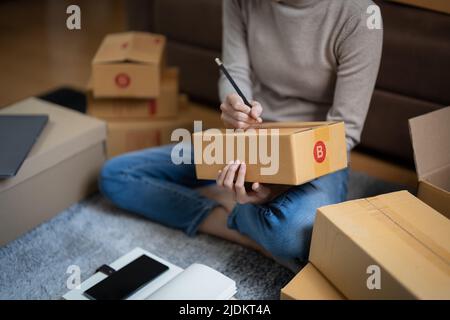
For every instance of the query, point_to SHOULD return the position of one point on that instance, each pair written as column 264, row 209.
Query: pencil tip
column 219, row 63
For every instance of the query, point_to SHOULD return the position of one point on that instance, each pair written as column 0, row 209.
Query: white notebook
column 197, row 282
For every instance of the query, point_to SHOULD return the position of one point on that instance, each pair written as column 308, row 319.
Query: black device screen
column 127, row 280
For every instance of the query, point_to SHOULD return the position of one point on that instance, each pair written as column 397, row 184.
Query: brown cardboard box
column 164, row 106
column 61, row 169
column 396, row 232
column 183, row 102
column 436, row 5
column 128, row 64
column 306, row 150
column 430, row 136
column 310, row 284
column 126, row 136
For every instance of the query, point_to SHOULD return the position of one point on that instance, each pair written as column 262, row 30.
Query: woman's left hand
column 232, row 177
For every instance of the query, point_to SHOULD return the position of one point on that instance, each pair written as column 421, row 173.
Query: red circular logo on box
column 320, row 151
column 122, row 80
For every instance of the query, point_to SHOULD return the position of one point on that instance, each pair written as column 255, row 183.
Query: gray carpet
column 93, row 232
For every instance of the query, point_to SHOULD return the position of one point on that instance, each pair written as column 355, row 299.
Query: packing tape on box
column 321, row 150
column 403, row 224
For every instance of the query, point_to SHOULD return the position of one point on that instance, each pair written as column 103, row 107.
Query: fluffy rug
column 94, row 232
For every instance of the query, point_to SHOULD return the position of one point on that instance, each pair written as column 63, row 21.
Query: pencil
column 225, row 72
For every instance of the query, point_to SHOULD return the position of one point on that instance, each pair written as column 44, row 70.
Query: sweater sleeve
column 358, row 53
column 234, row 50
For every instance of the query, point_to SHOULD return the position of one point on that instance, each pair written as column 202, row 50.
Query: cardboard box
column 396, row 233
column 164, row 106
column 128, row 64
column 436, row 5
column 299, row 151
column 61, row 169
column 310, row 284
column 430, row 136
column 183, row 102
column 126, row 136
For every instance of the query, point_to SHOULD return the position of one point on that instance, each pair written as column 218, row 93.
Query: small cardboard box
column 392, row 246
column 299, row 151
column 164, row 106
column 126, row 136
column 430, row 136
column 436, row 5
column 129, row 65
column 61, row 169
column 310, row 284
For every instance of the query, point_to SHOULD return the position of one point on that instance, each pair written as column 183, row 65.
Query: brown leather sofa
column 414, row 75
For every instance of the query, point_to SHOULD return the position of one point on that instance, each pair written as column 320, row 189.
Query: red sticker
column 320, row 151
column 152, row 106
column 124, row 45
column 122, row 80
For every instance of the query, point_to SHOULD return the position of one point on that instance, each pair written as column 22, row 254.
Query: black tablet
column 18, row 133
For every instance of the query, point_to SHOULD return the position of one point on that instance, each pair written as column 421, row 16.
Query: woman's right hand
column 237, row 115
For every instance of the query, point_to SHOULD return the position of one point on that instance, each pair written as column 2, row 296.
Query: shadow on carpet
column 94, row 232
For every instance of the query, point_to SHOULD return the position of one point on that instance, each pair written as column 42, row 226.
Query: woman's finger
column 231, row 122
column 236, row 103
column 256, row 111
column 241, row 193
column 229, row 178
column 260, row 190
column 237, row 115
column 222, row 174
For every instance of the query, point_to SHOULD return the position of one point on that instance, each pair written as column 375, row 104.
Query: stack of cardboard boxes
column 133, row 90
column 392, row 246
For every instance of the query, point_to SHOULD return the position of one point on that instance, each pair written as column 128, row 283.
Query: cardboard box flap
column 425, row 225
column 66, row 134
column 294, row 124
column 431, row 230
column 285, row 128
column 138, row 47
column 440, row 179
column 429, row 135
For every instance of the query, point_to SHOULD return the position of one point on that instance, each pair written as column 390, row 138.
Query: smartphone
column 127, row 280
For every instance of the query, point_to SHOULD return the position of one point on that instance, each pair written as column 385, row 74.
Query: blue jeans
column 148, row 183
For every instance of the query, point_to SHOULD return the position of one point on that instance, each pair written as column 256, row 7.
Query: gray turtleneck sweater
column 304, row 60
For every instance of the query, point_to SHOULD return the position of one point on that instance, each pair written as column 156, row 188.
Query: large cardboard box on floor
column 163, row 106
column 61, row 169
column 436, row 5
column 288, row 153
column 126, row 136
column 392, row 246
column 430, row 135
column 128, row 64
column 310, row 284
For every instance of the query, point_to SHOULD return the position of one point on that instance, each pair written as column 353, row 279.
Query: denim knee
column 109, row 178
column 286, row 235
column 290, row 239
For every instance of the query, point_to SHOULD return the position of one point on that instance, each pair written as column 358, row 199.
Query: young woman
column 297, row 60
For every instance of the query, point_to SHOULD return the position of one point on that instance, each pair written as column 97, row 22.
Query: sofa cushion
column 199, row 74
column 386, row 129
column 196, row 22
column 416, row 53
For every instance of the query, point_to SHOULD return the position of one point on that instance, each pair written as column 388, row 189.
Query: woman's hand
column 232, row 177
column 237, row 115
